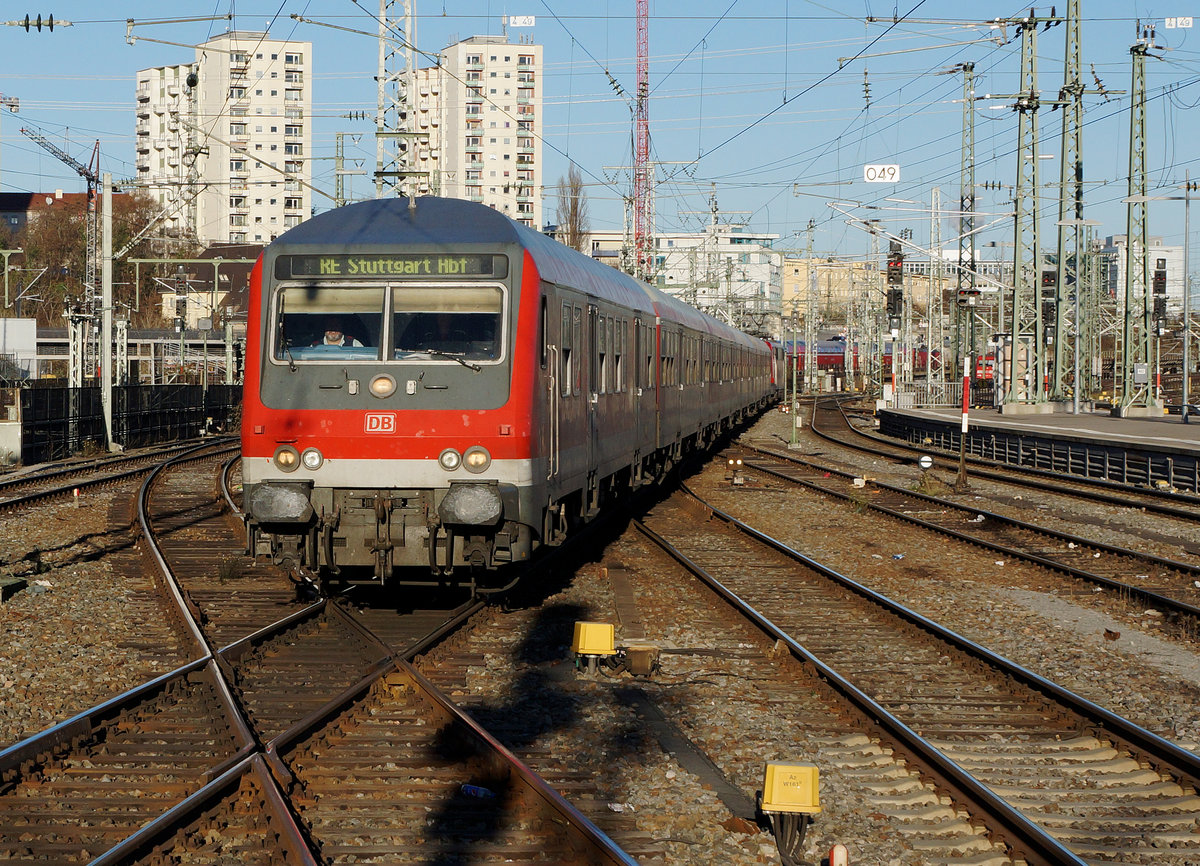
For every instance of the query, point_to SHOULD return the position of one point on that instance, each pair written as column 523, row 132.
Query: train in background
column 433, row 389
column 831, row 355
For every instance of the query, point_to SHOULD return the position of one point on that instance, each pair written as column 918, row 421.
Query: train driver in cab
column 335, row 334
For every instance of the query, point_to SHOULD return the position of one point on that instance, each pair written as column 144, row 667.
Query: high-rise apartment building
column 227, row 138
column 487, row 100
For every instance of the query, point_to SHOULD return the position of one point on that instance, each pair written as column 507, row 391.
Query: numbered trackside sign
column 381, row 422
column 881, row 173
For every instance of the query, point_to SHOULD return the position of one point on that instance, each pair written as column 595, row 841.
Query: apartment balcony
column 143, row 94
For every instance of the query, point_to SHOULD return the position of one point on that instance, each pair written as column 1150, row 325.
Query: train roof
column 447, row 222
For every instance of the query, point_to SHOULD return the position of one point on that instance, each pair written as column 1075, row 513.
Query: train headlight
column 477, row 459
column 450, row 459
column 312, row 459
column 287, row 458
column 383, row 385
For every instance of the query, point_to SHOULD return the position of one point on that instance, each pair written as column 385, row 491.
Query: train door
column 553, row 327
column 592, row 384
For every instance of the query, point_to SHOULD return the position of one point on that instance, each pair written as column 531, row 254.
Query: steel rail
column 1181, row 763
column 1025, row 839
column 1169, row 604
column 1157, row 501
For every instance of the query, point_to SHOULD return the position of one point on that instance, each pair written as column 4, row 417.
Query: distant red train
column 431, row 385
column 831, row 355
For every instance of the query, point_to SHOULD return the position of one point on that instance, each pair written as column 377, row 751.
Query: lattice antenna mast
column 965, row 273
column 1071, row 249
column 1137, row 343
column 810, row 315
column 642, row 207
column 1026, row 358
column 1027, row 322
column 396, row 87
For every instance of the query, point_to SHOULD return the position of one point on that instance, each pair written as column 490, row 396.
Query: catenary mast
column 641, row 150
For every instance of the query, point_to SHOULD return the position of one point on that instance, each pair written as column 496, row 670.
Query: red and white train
column 430, row 384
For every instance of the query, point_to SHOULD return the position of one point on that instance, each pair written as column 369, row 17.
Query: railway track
column 1060, row 779
column 1143, row 579
column 237, row 746
column 61, row 480
column 831, row 422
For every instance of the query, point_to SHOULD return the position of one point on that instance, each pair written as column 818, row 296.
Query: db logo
column 381, row 422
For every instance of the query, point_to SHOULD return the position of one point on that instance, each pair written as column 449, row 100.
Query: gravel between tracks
column 1034, row 618
column 65, row 646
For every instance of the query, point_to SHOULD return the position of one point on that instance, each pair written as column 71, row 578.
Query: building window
column 237, row 165
column 293, row 149
column 237, row 93
column 293, row 58
column 237, row 129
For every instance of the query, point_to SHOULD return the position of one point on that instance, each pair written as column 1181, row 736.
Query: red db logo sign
column 381, row 422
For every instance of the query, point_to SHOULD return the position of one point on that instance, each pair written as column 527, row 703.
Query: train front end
column 386, row 432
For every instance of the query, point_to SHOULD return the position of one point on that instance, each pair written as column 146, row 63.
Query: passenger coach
column 430, row 384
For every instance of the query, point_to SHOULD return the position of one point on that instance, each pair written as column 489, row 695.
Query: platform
column 1152, row 452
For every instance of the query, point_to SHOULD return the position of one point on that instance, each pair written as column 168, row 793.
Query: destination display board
column 391, row 266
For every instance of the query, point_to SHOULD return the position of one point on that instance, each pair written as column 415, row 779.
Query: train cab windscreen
column 402, row 323
column 328, row 324
column 460, row 322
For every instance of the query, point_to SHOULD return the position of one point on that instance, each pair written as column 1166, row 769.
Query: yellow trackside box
column 593, row 639
column 790, row 788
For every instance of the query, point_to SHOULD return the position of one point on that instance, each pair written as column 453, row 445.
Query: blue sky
column 761, row 104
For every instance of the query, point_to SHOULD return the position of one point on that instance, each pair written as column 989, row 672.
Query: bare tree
column 571, row 213
column 55, row 239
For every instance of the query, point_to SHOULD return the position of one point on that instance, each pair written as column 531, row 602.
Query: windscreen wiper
column 453, row 356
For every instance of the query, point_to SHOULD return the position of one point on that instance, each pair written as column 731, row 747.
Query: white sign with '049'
column 881, row 173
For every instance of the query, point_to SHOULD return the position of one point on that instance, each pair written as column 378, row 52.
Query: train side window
column 566, row 345
column 650, row 353
column 577, row 340
column 618, row 354
column 602, row 355
column 543, row 333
